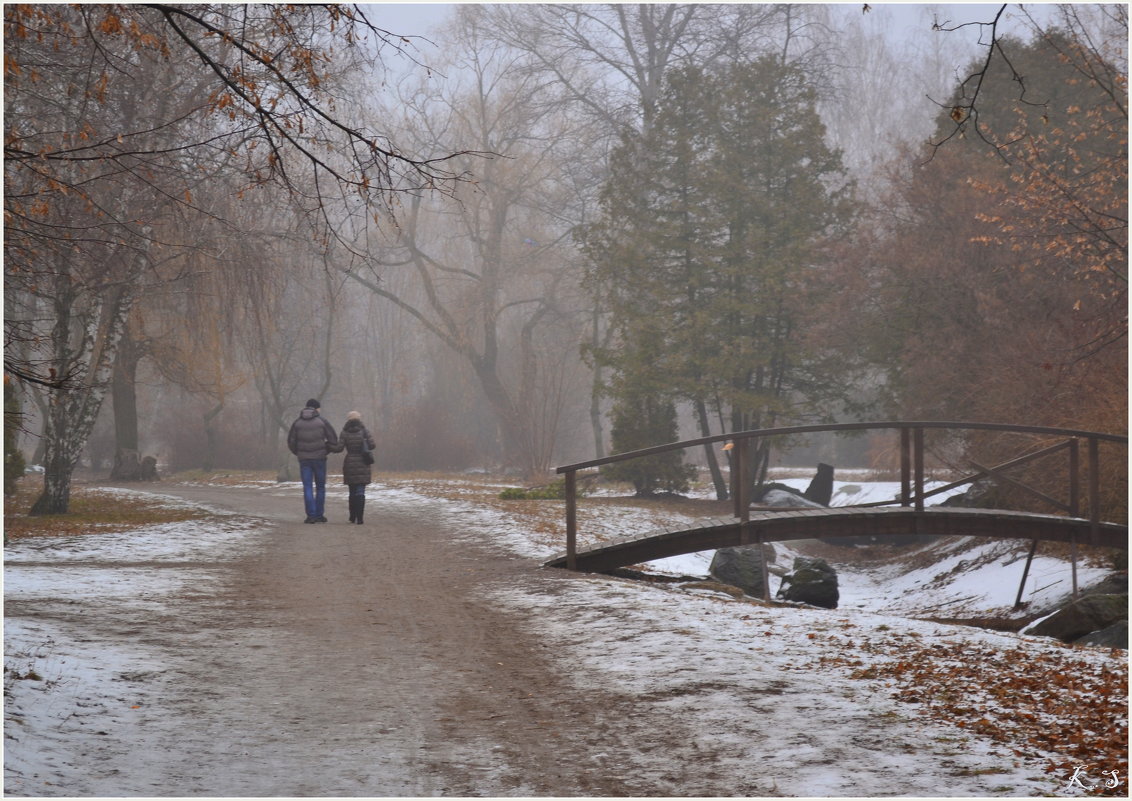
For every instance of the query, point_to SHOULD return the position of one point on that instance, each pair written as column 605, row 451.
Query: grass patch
column 91, row 512
column 554, row 491
column 225, row 477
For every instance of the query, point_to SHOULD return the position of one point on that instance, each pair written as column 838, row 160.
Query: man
column 311, row 438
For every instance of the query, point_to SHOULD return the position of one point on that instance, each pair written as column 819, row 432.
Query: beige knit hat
column 354, row 416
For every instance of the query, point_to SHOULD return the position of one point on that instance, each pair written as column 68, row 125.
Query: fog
column 440, row 253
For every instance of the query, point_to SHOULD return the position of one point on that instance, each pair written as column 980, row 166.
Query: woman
column 355, row 468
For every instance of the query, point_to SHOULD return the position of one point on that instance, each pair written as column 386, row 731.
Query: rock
column 820, row 490
column 148, row 471
column 1113, row 583
column 1114, row 636
column 714, row 586
column 786, row 499
column 812, row 582
column 741, row 567
column 1089, row 614
column 980, row 495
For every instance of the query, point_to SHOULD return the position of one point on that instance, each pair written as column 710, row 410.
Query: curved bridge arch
column 910, row 516
column 710, row 534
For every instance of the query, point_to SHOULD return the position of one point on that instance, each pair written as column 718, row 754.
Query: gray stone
column 982, row 494
column 820, row 490
column 812, row 582
column 1112, row 584
column 1114, row 636
column 148, row 471
column 780, row 498
column 1086, row 615
column 741, row 567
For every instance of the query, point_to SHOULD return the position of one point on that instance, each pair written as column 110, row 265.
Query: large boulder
column 820, row 490
column 148, row 471
column 1113, row 583
column 783, row 497
column 982, row 494
column 1084, row 616
column 1114, row 636
column 741, row 567
column 812, row 582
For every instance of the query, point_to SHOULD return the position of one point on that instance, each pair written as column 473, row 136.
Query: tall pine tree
column 711, row 247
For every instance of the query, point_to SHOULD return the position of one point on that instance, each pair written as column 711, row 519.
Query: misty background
column 507, row 310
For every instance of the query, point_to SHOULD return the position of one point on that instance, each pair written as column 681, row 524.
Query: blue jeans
column 313, row 471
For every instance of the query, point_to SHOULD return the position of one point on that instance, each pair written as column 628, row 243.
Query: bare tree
column 493, row 272
column 611, row 60
column 114, row 115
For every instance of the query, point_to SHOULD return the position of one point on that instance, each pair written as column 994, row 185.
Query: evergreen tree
column 642, row 419
column 710, row 246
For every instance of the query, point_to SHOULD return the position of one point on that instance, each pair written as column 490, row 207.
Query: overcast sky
column 903, row 23
column 418, row 18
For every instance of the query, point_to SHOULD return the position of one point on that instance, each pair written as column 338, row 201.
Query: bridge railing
column 912, row 492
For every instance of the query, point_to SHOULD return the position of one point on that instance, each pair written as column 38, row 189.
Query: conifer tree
column 711, row 246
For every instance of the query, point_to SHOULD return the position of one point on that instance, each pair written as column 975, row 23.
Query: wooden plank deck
column 797, row 524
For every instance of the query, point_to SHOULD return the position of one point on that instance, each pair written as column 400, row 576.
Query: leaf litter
column 857, row 701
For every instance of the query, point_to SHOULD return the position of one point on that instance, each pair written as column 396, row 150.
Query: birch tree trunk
column 87, row 332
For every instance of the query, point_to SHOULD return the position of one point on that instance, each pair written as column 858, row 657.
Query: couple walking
column 312, row 439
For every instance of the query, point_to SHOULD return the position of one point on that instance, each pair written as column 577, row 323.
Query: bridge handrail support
column 810, row 429
column 571, row 487
column 911, row 468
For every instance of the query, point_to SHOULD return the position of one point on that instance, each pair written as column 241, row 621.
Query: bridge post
column 905, row 467
column 918, row 440
column 571, row 520
column 739, row 471
column 1075, row 496
column 1025, row 574
column 1094, row 503
column 1094, row 484
column 1074, row 477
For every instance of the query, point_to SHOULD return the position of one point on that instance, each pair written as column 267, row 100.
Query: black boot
column 361, row 508
column 353, row 508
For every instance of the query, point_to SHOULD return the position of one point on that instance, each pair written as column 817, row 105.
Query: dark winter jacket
column 354, row 439
column 311, row 437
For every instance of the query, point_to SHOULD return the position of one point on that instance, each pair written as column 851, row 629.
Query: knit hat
column 313, row 404
column 354, row 416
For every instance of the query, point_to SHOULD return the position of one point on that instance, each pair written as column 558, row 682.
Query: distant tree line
column 579, row 228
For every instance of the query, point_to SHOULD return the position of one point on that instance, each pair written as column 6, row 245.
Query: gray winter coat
column 354, row 438
column 311, row 437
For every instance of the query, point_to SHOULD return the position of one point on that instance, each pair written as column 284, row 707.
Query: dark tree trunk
column 210, row 436
column 717, row 480
column 124, row 394
column 596, row 421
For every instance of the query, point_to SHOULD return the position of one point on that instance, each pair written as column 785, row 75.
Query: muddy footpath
column 346, row 660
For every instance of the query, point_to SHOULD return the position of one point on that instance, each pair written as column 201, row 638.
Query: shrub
column 554, row 491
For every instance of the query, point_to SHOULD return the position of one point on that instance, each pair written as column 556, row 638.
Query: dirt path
column 363, row 660
column 253, row 655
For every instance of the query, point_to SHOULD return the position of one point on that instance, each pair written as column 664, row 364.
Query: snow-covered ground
column 730, row 668
column 741, row 670
column 965, row 578
column 51, row 670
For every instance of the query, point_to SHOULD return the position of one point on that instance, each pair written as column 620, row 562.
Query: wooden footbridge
column 906, row 515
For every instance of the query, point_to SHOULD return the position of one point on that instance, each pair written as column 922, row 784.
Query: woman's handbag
column 367, row 452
